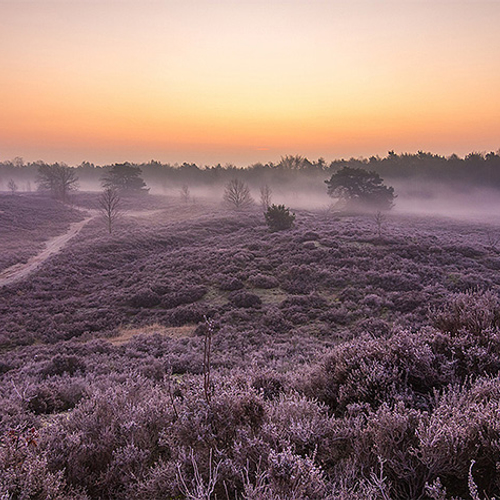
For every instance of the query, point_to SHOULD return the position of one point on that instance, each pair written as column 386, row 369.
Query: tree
column 279, row 218
column 360, row 189
column 265, row 196
column 12, row 186
column 291, row 162
column 237, row 195
column 126, row 178
column 58, row 178
column 185, row 194
column 379, row 219
column 109, row 206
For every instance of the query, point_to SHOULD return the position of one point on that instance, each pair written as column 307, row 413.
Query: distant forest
column 475, row 169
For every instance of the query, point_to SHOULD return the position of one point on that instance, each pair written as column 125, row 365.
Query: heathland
column 192, row 353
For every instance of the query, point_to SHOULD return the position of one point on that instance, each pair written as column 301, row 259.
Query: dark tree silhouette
column 109, row 206
column 237, row 195
column 360, row 189
column 125, row 177
column 279, row 218
column 58, row 178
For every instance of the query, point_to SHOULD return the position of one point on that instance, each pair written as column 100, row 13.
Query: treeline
column 475, row 169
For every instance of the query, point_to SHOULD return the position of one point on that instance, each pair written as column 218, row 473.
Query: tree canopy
column 58, row 178
column 360, row 189
column 125, row 177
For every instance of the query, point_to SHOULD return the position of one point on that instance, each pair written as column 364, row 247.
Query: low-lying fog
column 433, row 199
column 419, row 199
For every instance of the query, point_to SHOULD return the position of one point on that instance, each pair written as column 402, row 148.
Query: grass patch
column 215, row 296
column 270, row 296
column 175, row 332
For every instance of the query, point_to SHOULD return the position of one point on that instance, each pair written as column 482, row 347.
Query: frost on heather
column 343, row 365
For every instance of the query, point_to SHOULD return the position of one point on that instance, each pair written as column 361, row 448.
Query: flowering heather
column 26, row 222
column 344, row 364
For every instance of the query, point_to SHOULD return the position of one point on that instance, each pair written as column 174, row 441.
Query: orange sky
column 243, row 81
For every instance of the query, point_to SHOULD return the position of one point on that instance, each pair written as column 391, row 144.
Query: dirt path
column 56, row 244
column 52, row 246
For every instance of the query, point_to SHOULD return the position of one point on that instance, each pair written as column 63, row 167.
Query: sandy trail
column 55, row 245
column 52, row 246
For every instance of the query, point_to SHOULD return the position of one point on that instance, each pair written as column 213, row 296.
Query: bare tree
column 237, row 195
column 379, row 219
column 59, row 179
column 185, row 194
column 12, row 186
column 265, row 197
column 109, row 206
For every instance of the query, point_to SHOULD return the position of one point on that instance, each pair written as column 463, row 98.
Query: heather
column 26, row 222
column 345, row 362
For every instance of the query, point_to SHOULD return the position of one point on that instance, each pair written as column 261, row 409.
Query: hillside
column 27, row 221
column 343, row 364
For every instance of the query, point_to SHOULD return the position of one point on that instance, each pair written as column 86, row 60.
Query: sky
column 243, row 81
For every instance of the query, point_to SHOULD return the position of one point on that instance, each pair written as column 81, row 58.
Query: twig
column 206, row 358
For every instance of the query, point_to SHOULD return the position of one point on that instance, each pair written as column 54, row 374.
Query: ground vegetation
column 197, row 355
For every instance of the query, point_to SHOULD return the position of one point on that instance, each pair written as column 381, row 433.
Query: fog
column 423, row 199
column 308, row 192
column 480, row 204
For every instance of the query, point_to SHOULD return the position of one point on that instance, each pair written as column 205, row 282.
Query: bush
column 279, row 218
column 144, row 298
column 263, row 281
column 471, row 311
column 229, row 283
column 187, row 296
column 244, row 299
column 61, row 364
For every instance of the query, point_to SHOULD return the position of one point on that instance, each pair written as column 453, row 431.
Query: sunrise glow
column 246, row 81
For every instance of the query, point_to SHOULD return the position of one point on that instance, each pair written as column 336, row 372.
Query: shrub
column 471, row 311
column 55, row 396
column 263, row 281
column 144, row 298
column 61, row 364
column 293, row 476
column 244, row 299
column 279, row 218
column 229, row 283
column 268, row 385
column 463, row 428
column 24, row 473
column 186, row 296
column 188, row 314
column 109, row 440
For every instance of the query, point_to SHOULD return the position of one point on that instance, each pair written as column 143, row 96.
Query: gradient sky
column 244, row 81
